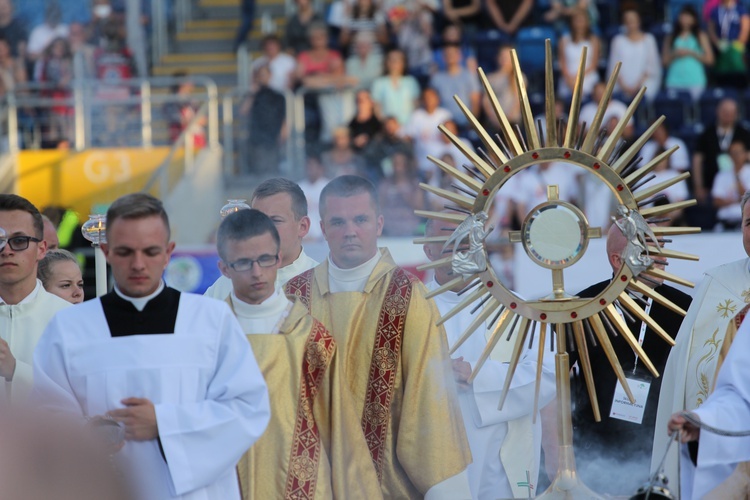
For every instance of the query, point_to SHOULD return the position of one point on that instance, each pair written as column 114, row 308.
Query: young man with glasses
column 173, row 369
column 25, row 306
column 309, row 446
column 284, row 202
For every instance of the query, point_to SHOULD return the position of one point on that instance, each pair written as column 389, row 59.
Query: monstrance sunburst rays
column 574, row 322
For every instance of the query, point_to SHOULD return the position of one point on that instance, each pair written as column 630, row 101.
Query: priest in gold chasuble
column 312, row 448
column 395, row 359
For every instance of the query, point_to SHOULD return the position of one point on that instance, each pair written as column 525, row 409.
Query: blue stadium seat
column 676, row 106
column 675, row 6
column 530, row 47
column 486, row 45
column 709, row 100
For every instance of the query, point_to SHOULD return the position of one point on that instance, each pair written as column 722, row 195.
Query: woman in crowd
column 296, row 36
column 363, row 15
column 640, row 57
column 60, row 275
column 569, row 54
column 686, row 53
column 396, row 93
column 503, row 83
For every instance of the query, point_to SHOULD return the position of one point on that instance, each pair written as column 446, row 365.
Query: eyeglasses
column 247, row 264
column 18, row 243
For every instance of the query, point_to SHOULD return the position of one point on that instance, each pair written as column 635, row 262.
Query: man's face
column 138, row 251
column 746, row 228
column 19, row 265
column 434, row 251
column 351, row 227
column 726, row 114
column 278, row 208
column 256, row 284
column 50, row 236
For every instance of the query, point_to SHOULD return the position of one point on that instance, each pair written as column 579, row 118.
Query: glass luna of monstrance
column 555, row 235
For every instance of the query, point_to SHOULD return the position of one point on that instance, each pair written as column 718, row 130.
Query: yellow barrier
column 97, row 176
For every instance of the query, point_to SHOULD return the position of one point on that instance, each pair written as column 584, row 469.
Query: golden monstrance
column 513, row 318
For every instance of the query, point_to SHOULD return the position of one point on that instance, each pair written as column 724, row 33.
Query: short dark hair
column 279, row 185
column 9, row 202
column 44, row 269
column 137, row 206
column 345, row 186
column 242, row 225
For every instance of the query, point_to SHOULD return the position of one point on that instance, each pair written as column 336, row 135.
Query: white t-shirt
column 282, row 66
column 42, row 36
column 725, row 187
column 615, row 109
column 675, row 192
column 422, row 127
column 679, row 160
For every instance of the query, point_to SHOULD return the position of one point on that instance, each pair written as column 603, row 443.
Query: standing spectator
column 396, row 93
column 267, row 125
column 729, row 30
column 365, row 125
column 674, row 193
column 55, row 68
column 388, row 142
column 686, row 53
column 341, row 158
column 679, row 161
column 509, row 15
column 280, row 64
column 615, row 110
column 712, row 148
column 43, row 35
column 297, row 36
column 457, row 81
column 79, row 45
column 453, row 35
column 180, row 113
column 105, row 24
column 247, row 16
column 12, row 70
column 729, row 186
column 364, row 63
column 640, row 57
column 363, row 15
column 503, row 83
column 423, row 127
column 466, row 13
column 561, row 10
column 321, row 68
column 12, row 30
column 570, row 51
column 411, row 23
column 399, row 196
column 113, row 63
column 312, row 185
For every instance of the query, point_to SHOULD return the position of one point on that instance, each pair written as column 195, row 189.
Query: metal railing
column 94, row 113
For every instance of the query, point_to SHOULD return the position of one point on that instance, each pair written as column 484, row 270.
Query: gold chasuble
column 396, row 363
column 312, row 448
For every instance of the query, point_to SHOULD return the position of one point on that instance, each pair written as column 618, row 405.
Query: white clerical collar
column 140, row 302
column 30, row 297
column 362, row 271
column 273, row 306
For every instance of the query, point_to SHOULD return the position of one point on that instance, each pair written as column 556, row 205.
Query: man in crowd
column 50, row 234
column 395, row 358
column 702, row 345
column 314, row 421
column 626, row 432
column 285, row 203
column 25, row 306
column 505, row 445
column 172, row 369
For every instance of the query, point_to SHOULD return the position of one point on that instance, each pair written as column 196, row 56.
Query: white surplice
column 691, row 366
column 728, row 408
column 505, row 444
column 210, row 398
column 21, row 326
column 222, row 287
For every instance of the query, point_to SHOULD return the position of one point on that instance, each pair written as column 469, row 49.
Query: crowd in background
column 379, row 77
